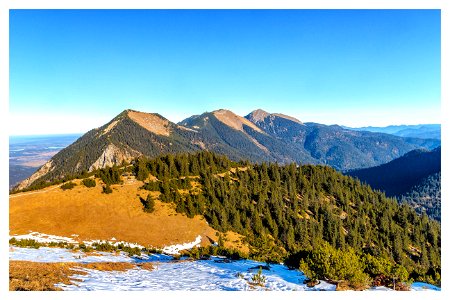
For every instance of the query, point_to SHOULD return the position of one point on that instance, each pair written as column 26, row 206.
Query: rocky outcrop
column 47, row 167
column 111, row 156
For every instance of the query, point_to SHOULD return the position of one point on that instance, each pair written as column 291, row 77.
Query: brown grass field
column 34, row 276
column 93, row 215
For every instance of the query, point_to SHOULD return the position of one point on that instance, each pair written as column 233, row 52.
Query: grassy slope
column 93, row 215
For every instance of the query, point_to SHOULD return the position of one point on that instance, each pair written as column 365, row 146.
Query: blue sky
column 73, row 70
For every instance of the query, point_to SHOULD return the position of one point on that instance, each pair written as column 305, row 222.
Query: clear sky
column 73, row 70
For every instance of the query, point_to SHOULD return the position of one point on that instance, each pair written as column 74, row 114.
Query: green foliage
column 88, row 182
column 258, row 278
column 105, row 247
column 375, row 266
column 130, row 250
column 425, row 197
column 149, row 204
column 109, row 175
column 59, row 245
column 152, row 186
column 25, row 243
column 68, row 186
column 327, row 262
column 83, row 247
column 107, row 189
column 206, row 252
column 141, row 170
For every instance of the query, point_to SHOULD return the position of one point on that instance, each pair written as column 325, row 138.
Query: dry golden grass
column 108, row 266
column 235, row 241
column 33, row 276
column 150, row 122
column 146, row 266
column 36, row 276
column 92, row 215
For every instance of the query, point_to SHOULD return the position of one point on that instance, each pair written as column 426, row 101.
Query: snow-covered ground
column 213, row 274
column 45, row 238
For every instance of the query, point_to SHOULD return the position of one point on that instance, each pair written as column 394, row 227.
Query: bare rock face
column 47, row 167
column 111, row 156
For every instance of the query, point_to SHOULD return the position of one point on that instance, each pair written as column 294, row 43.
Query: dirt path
column 38, row 192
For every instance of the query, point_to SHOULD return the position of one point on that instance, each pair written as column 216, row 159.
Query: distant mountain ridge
column 400, row 175
column 414, row 177
column 432, row 131
column 259, row 136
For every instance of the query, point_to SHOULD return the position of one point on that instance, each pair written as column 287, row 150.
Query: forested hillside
column 298, row 214
column 425, row 197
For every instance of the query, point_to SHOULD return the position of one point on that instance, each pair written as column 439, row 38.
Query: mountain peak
column 152, row 122
column 259, row 115
column 234, row 121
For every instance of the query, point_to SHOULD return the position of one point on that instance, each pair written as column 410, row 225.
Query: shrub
column 326, row 262
column 68, row 186
column 149, row 204
column 89, row 182
column 152, row 186
column 107, row 189
column 85, row 248
column 258, row 278
column 28, row 243
column 107, row 247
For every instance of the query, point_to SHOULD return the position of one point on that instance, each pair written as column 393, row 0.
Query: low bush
column 28, row 243
column 107, row 189
column 89, row 182
column 68, row 185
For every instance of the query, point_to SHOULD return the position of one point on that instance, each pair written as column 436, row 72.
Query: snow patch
column 48, row 238
column 175, row 249
column 44, row 238
column 112, row 243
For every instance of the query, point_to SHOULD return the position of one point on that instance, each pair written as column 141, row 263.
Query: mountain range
column 431, row 131
column 259, row 136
